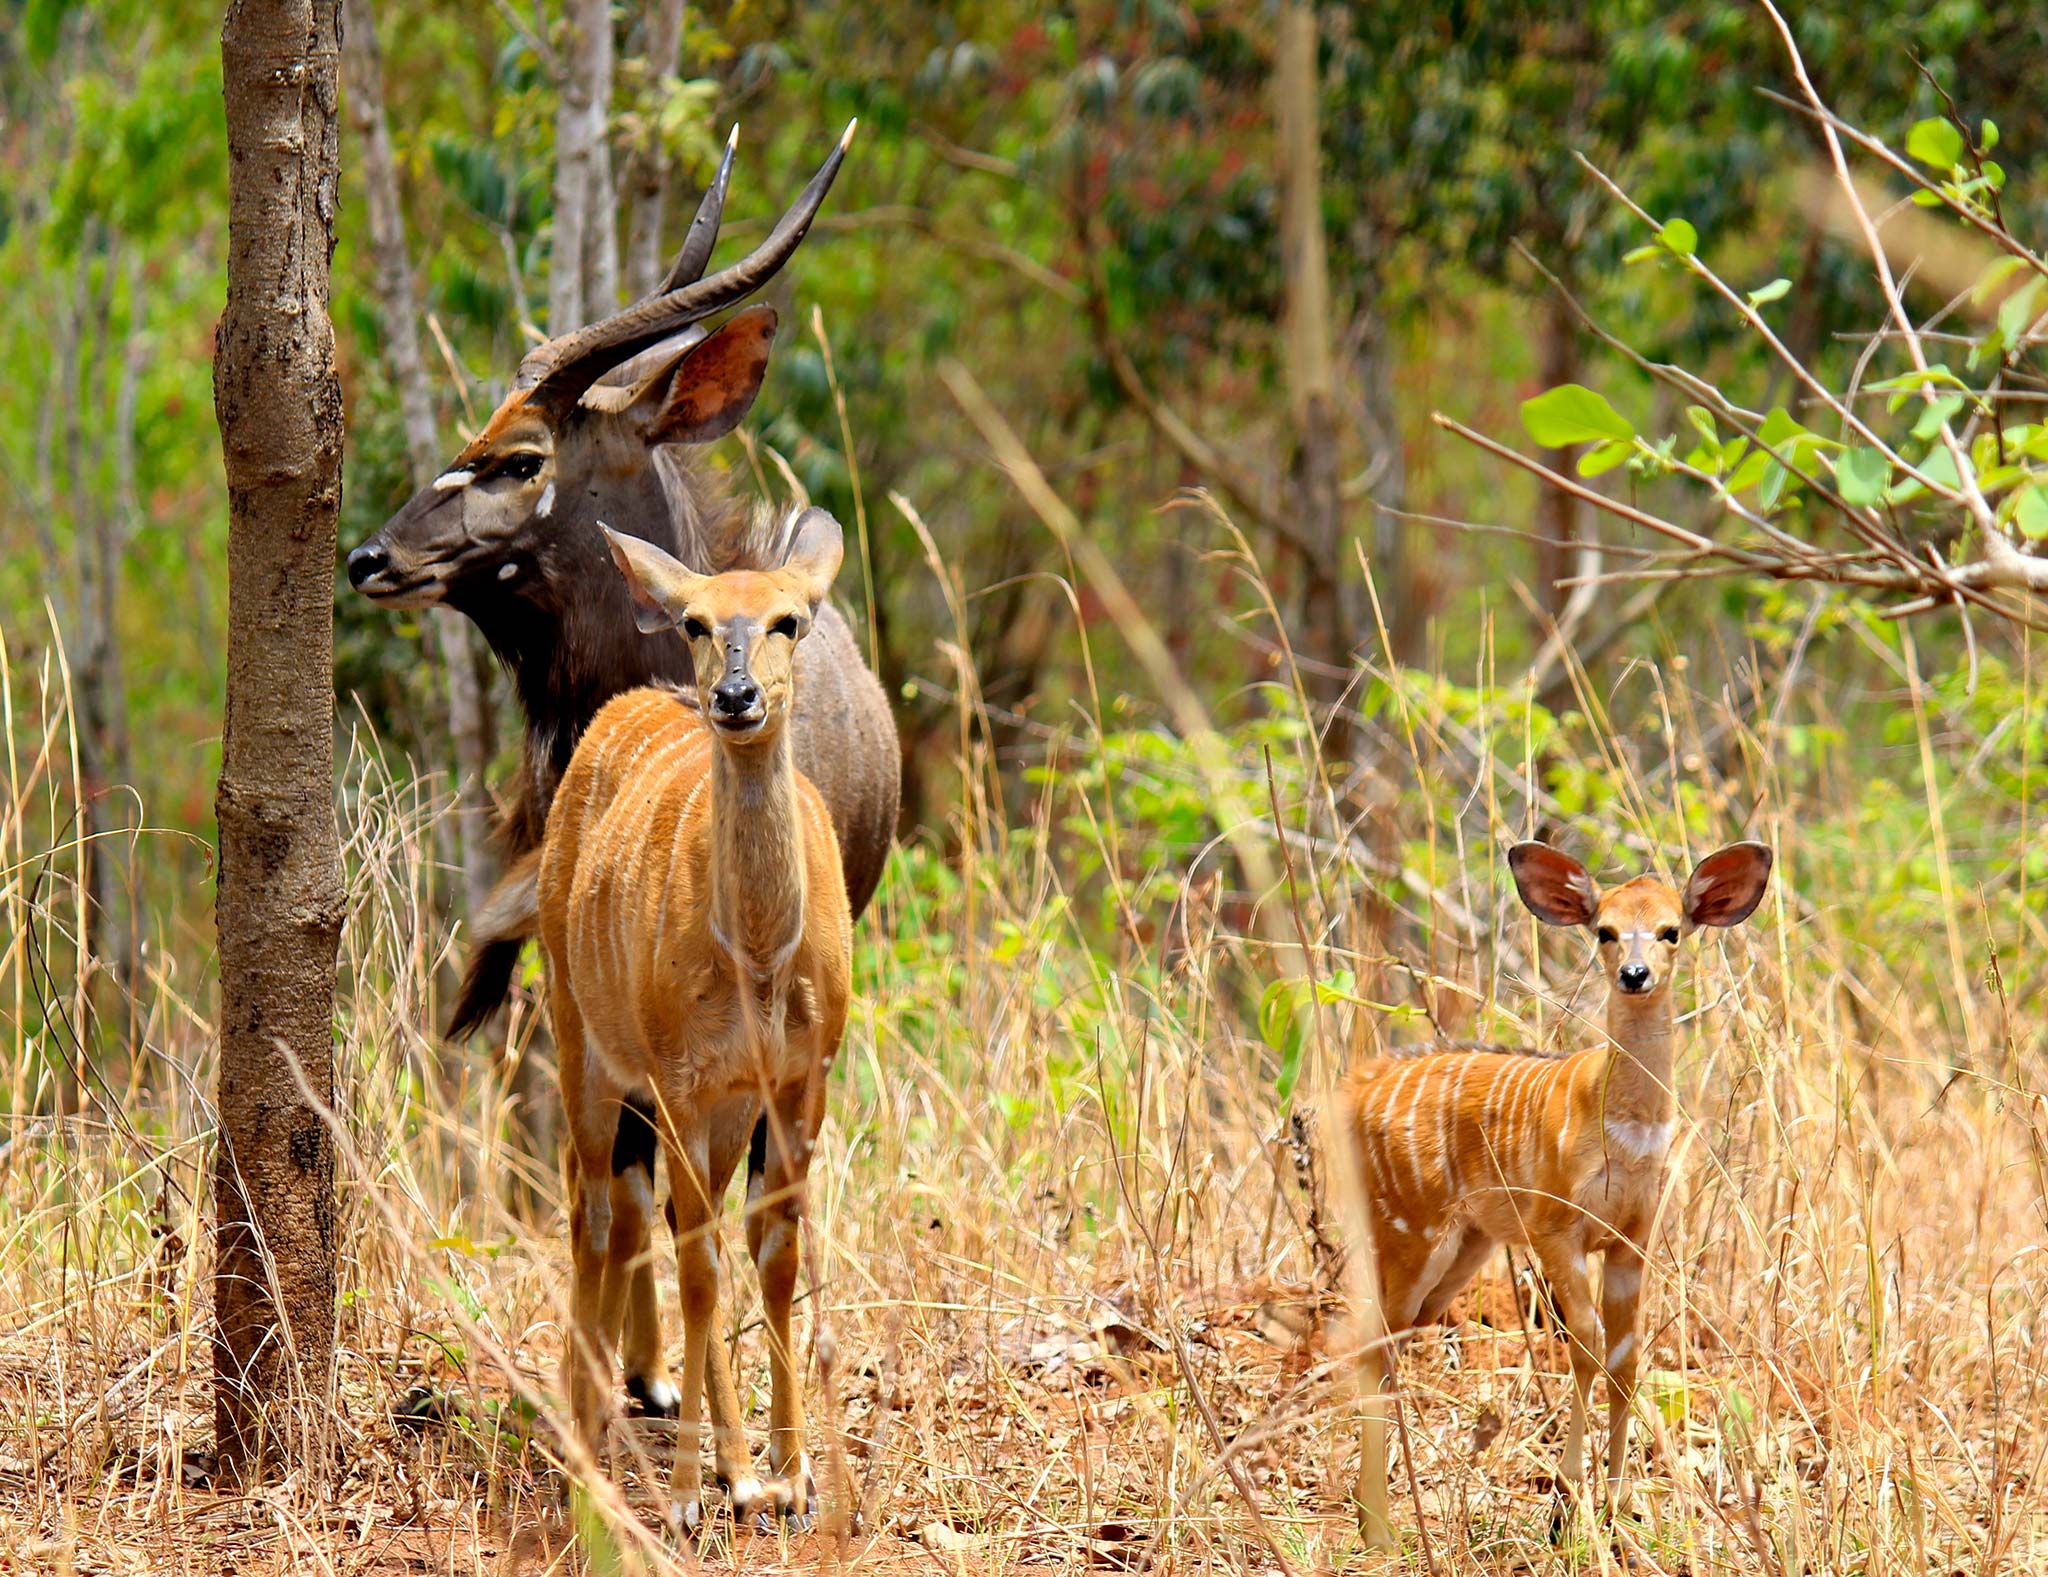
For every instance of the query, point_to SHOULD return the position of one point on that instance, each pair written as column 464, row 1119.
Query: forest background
column 1148, row 360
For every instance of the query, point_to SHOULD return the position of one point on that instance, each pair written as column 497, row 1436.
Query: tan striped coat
column 1458, row 1153
column 697, row 933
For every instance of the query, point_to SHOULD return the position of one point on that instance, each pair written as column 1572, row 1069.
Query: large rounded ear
column 1726, row 887
column 1555, row 888
column 660, row 585
column 816, row 547
column 712, row 387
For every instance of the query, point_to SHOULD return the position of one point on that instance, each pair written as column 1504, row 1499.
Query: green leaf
column 1987, row 134
column 2030, row 514
column 2016, row 313
column 1751, row 471
column 1573, row 414
column 1936, row 143
column 1994, row 276
column 1680, row 237
column 1861, row 475
column 1278, row 1004
column 1935, row 413
column 1775, row 290
column 1602, row 458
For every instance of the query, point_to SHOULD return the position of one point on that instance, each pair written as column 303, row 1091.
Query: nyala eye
column 694, row 629
column 522, row 467
column 1668, row 934
column 1607, row 933
column 784, row 626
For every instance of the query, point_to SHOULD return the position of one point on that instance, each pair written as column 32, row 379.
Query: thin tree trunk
column 1314, row 498
column 647, row 169
column 119, row 943
column 1406, row 597
column 1557, row 512
column 601, row 235
column 279, row 907
column 579, row 130
column 468, row 714
column 89, row 640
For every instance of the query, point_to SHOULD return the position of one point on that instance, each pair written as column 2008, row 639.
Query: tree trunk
column 279, row 906
column 468, row 715
column 1557, row 512
column 647, row 169
column 1407, row 596
column 1314, row 499
column 575, row 293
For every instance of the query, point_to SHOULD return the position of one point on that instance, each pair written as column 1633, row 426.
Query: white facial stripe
column 449, row 481
column 546, row 506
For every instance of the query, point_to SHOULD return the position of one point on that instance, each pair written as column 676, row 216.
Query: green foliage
column 1573, row 414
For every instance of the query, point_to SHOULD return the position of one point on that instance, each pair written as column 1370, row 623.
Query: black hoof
column 653, row 1399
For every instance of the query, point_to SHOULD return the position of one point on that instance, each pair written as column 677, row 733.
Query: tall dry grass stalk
column 1075, row 1292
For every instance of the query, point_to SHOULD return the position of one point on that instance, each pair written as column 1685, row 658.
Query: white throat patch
column 1638, row 1139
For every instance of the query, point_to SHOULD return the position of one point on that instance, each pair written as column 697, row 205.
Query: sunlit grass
column 1062, row 1247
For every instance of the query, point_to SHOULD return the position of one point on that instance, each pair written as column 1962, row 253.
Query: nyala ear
column 1554, row 887
column 1725, row 888
column 661, row 586
column 712, row 388
column 816, row 547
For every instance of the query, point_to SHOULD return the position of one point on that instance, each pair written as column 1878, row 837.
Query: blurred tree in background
column 1083, row 212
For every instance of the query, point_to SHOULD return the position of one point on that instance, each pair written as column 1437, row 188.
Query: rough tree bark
column 279, row 906
column 468, row 715
column 1314, row 497
column 647, row 169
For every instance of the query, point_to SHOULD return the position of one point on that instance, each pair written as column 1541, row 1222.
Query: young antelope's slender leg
column 774, row 1233
column 697, row 1271
column 1565, row 1266
column 1621, row 1286
column 734, row 1463
column 640, row 1355
column 590, row 1103
column 1377, row 1400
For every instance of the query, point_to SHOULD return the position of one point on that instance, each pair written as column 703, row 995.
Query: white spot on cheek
column 546, row 506
column 507, row 571
column 449, row 481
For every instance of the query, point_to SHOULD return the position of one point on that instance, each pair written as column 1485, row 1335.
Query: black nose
column 1633, row 977
column 366, row 562
column 737, row 697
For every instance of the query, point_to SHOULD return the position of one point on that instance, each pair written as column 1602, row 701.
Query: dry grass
column 1062, row 1248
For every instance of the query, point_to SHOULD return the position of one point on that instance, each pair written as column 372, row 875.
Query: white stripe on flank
column 1388, row 1109
column 1414, row 1145
column 1507, row 1126
column 1452, row 1106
